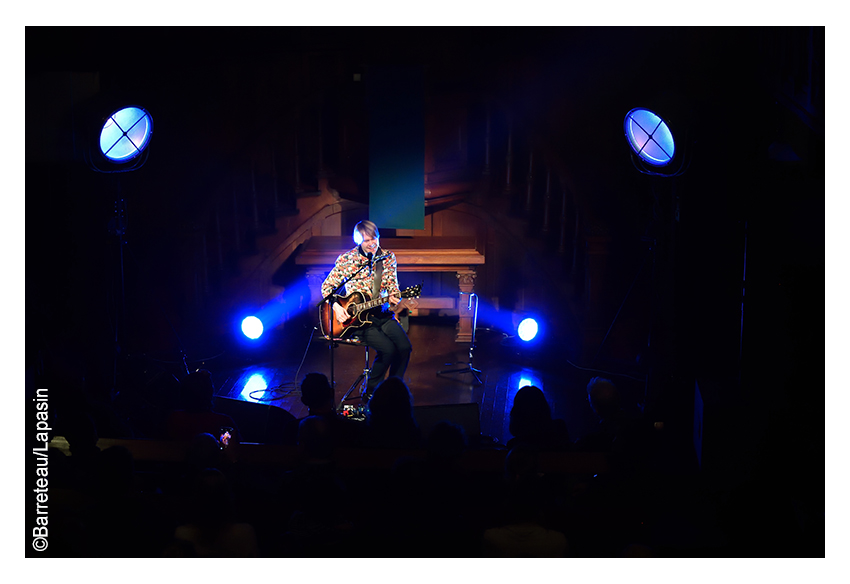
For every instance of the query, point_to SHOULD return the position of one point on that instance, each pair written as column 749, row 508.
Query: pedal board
column 354, row 412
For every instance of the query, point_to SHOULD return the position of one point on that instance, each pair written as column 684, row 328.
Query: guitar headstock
column 412, row 291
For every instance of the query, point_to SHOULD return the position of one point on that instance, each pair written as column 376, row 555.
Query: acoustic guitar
column 361, row 311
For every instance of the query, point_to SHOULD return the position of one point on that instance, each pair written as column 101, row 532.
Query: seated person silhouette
column 318, row 395
column 531, row 423
column 618, row 429
column 390, row 419
column 197, row 415
column 211, row 529
column 524, row 531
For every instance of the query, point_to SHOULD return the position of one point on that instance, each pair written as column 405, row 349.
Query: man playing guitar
column 381, row 330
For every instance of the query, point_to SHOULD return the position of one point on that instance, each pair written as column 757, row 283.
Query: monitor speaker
column 263, row 423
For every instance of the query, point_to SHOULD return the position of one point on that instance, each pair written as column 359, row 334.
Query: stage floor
column 275, row 378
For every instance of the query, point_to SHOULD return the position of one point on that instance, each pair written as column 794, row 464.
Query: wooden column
column 466, row 285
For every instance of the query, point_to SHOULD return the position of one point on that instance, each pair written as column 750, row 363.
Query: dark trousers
column 393, row 350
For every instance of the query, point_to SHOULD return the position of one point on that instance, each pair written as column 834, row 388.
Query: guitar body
column 343, row 330
column 361, row 309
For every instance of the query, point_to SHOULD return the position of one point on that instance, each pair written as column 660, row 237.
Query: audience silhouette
column 623, row 496
column 197, row 415
column 389, row 417
column 531, row 423
column 211, row 530
column 318, row 395
column 318, row 524
column 523, row 533
column 439, row 523
column 346, row 490
column 618, row 429
column 204, row 452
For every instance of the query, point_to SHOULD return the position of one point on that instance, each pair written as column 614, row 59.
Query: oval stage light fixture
column 252, row 327
column 527, row 329
column 650, row 137
column 125, row 134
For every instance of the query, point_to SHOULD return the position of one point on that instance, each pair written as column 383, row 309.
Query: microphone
column 369, row 257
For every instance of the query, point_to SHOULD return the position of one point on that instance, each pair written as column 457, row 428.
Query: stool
column 363, row 379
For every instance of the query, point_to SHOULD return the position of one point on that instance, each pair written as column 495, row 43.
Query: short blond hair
column 366, row 227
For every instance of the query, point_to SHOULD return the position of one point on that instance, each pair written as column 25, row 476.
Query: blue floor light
column 252, row 327
column 527, row 329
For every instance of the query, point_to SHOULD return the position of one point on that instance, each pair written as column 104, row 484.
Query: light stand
column 469, row 365
column 118, row 142
column 650, row 253
column 118, row 227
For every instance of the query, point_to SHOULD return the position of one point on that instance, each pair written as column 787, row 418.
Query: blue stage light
column 649, row 136
column 252, row 327
column 527, row 329
column 125, row 134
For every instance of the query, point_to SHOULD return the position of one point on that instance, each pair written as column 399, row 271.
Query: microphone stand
column 469, row 368
column 330, row 324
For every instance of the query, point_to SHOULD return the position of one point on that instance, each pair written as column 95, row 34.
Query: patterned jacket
column 349, row 262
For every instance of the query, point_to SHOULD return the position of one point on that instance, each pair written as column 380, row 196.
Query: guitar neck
column 379, row 301
column 369, row 304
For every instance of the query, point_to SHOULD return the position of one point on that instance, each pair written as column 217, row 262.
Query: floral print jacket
column 349, row 262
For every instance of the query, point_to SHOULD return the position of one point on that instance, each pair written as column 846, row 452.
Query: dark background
column 749, row 103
